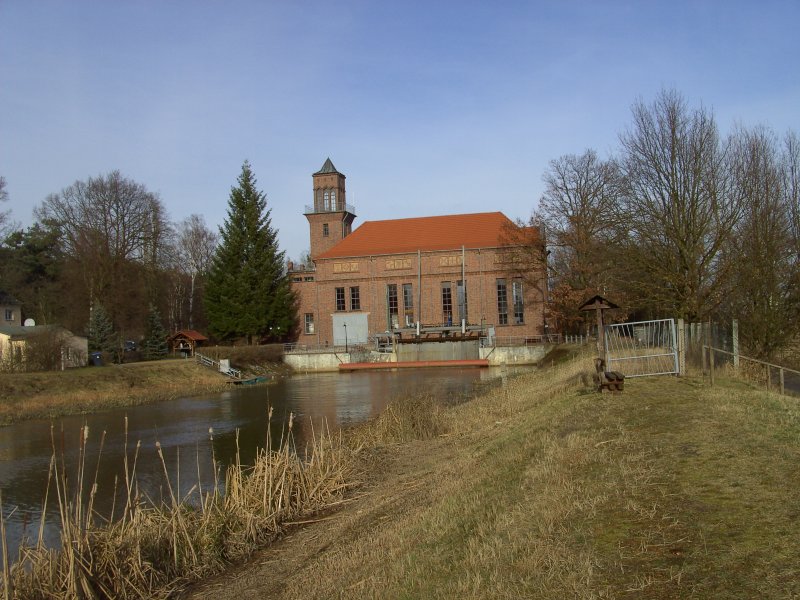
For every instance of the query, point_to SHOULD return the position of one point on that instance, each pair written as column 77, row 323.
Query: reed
column 151, row 549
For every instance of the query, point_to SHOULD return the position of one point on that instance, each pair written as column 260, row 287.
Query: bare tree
column 763, row 276
column 5, row 222
column 679, row 206
column 579, row 212
column 113, row 228
column 197, row 244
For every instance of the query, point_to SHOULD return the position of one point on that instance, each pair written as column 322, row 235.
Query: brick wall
column 371, row 274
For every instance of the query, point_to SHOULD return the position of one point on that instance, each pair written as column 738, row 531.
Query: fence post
column 735, row 335
column 783, row 388
column 711, row 361
column 769, row 386
column 681, row 348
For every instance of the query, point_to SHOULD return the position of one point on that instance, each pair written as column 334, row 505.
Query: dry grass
column 76, row 391
column 544, row 489
column 151, row 550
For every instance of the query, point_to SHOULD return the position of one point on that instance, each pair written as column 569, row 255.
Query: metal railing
column 296, row 348
column 311, row 209
column 521, row 341
column 709, row 366
column 209, row 362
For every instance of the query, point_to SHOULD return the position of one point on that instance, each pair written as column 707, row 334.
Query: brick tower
column 330, row 218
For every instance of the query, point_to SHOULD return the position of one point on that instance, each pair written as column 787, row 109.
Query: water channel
column 182, row 427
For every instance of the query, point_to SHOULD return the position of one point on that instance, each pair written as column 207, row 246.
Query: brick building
column 453, row 275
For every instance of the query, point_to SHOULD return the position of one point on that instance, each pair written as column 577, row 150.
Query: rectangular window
column 447, row 303
column 355, row 298
column 461, row 293
column 340, row 299
column 391, row 304
column 408, row 304
column 9, row 314
column 325, row 230
column 519, row 304
column 502, row 302
column 309, row 323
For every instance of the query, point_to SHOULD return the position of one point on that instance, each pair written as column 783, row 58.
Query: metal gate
column 643, row 348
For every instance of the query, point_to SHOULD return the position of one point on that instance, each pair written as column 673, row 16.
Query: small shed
column 186, row 341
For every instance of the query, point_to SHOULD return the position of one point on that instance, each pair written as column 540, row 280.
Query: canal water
column 194, row 434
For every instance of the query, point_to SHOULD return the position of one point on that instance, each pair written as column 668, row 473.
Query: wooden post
column 735, row 335
column 768, row 381
column 704, row 360
column 711, row 366
column 783, row 387
column 681, row 347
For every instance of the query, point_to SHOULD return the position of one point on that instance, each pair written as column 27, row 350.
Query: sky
column 428, row 108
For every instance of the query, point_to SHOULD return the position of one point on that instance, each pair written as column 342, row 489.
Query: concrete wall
column 437, row 351
column 521, row 355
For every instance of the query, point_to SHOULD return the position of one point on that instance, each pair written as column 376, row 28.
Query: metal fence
column 642, row 348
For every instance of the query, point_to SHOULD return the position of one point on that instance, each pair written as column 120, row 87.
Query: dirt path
column 394, row 484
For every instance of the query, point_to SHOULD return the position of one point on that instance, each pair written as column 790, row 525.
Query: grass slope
column 50, row 394
column 543, row 489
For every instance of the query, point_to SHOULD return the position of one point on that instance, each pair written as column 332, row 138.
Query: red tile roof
column 449, row 232
column 190, row 334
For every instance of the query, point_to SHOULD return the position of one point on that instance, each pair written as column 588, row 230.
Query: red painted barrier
column 415, row 364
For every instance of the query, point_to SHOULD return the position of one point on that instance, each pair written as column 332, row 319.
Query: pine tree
column 248, row 292
column 102, row 337
column 154, row 346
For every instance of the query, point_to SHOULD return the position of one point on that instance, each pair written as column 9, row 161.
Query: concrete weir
column 437, row 354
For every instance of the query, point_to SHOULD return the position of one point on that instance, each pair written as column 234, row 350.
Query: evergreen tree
column 154, row 346
column 248, row 292
column 102, row 337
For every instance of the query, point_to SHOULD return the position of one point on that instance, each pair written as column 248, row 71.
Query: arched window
column 333, row 200
column 326, row 200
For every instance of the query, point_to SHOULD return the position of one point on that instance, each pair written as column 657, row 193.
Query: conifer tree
column 248, row 292
column 102, row 337
column 155, row 341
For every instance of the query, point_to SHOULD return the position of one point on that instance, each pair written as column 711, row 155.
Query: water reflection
column 182, row 428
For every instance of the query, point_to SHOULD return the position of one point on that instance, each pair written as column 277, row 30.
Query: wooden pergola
column 186, row 341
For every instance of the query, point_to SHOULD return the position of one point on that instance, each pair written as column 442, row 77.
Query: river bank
column 91, row 389
column 542, row 488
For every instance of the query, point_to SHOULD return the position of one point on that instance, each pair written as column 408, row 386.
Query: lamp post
column 345, row 337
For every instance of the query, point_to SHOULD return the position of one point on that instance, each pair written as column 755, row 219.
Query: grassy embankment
column 543, row 489
column 537, row 489
column 76, row 391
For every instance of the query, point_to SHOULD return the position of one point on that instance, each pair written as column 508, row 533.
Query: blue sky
column 428, row 107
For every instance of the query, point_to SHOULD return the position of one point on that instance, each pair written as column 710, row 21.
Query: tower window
column 333, row 199
column 326, row 201
column 325, row 230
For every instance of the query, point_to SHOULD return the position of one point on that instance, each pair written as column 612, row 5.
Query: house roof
column 327, row 168
column 22, row 332
column 190, row 334
column 6, row 298
column 448, row 232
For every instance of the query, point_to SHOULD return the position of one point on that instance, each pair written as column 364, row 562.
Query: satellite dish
column 29, row 323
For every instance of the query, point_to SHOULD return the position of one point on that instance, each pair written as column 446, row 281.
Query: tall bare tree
column 113, row 229
column 679, row 206
column 197, row 244
column 763, row 293
column 579, row 212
